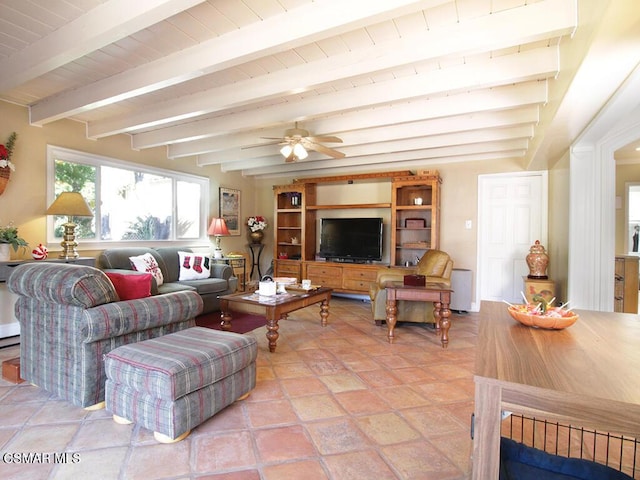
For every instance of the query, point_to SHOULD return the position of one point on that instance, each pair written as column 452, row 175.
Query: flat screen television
column 351, row 239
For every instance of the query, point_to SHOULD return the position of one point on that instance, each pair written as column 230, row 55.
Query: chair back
column 435, row 263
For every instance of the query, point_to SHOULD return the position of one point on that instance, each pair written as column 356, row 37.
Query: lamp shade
column 218, row 227
column 71, row 204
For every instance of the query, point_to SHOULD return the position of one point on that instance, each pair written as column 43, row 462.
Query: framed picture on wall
column 230, row 209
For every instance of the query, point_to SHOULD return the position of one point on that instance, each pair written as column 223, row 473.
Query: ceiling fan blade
column 323, row 149
column 325, row 139
column 277, row 141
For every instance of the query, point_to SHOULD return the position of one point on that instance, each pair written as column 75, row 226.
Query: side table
column 234, row 262
column 256, row 251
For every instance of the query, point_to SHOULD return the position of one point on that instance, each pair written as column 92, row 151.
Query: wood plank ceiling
column 417, row 82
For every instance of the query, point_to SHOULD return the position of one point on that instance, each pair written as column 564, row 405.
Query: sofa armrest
column 120, row 318
column 221, row 270
column 393, row 274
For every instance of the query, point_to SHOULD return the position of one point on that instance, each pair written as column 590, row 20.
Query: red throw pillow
column 130, row 287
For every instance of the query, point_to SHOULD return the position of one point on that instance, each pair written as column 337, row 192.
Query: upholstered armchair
column 71, row 316
column 435, row 265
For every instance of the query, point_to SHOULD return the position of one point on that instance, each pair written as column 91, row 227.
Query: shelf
column 289, row 210
column 289, row 243
column 354, row 205
column 289, row 228
column 414, row 207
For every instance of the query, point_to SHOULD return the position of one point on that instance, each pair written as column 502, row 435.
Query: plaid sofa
column 70, row 317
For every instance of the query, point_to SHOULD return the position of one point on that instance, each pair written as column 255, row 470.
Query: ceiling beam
column 101, row 26
column 238, row 46
column 355, row 142
column 397, row 146
column 535, row 64
column 549, row 18
column 467, row 103
column 421, row 155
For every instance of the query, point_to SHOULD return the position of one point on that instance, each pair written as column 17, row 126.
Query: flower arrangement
column 257, row 223
column 6, row 151
column 9, row 234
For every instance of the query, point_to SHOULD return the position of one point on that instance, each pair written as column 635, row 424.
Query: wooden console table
column 585, row 374
column 437, row 293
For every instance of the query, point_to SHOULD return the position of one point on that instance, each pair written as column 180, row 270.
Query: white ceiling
column 418, row 82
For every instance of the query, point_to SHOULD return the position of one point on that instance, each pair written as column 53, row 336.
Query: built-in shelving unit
column 414, row 227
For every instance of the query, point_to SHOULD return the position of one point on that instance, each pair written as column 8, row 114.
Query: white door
column 512, row 215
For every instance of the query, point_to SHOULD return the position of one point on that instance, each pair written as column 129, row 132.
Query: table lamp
column 71, row 204
column 218, row 227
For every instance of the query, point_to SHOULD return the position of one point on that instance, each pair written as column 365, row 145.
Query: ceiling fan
column 297, row 141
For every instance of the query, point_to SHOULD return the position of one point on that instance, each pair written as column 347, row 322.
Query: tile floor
column 331, row 403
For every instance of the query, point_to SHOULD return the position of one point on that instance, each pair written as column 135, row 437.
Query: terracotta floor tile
column 337, row 436
column 433, row 421
column 379, row 378
column 296, row 387
column 333, row 403
column 305, row 469
column 402, row 396
column 241, row 475
column 282, row 444
column 316, row 407
column 387, row 428
column 420, row 460
column 107, row 462
column 276, row 412
column 157, row 461
column 226, row 451
column 366, row 465
column 343, row 382
column 360, row 402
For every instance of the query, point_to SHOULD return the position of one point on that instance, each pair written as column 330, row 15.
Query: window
column 131, row 203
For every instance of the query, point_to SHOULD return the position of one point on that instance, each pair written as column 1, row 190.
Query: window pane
column 135, row 205
column 74, row 177
column 188, row 207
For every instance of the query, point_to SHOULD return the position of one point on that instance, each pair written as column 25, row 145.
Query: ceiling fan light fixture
column 300, row 152
column 286, row 150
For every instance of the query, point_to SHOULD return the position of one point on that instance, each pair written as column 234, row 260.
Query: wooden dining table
column 586, row 375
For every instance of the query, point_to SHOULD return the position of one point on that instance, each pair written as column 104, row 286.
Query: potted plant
column 256, row 224
column 9, row 237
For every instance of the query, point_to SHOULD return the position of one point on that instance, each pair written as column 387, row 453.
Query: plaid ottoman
column 173, row 383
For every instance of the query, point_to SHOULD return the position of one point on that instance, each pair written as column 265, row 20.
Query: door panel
column 512, row 216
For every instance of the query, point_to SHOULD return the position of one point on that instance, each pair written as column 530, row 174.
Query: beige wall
column 24, row 200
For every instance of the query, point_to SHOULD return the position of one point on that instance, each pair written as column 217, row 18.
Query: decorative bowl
column 282, row 282
column 552, row 322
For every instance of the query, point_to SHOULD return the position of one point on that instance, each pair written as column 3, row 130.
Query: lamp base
column 69, row 243
column 217, row 253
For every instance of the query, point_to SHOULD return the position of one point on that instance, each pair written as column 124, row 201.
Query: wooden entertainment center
column 414, row 228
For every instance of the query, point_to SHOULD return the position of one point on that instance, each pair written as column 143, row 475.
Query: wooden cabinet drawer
column 288, row 269
column 357, row 285
column 324, row 271
column 362, row 274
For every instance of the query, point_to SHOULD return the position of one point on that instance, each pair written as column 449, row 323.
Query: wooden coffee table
column 437, row 293
column 274, row 308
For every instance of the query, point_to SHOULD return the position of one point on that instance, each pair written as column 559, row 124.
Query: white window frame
column 75, row 156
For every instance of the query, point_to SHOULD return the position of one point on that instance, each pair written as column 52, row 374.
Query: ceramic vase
column 5, row 252
column 537, row 260
column 256, row 237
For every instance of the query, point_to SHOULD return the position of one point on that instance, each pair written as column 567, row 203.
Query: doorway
column 512, row 215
